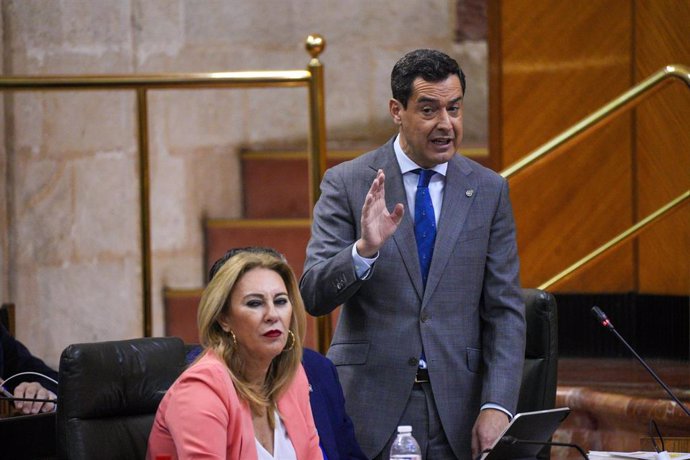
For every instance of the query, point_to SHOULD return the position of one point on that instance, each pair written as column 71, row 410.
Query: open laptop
column 536, row 426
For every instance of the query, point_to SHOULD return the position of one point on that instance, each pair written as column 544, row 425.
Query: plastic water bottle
column 405, row 447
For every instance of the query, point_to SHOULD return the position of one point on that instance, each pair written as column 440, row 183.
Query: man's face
column 431, row 125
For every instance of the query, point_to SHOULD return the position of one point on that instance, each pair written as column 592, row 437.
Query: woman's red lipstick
column 273, row 333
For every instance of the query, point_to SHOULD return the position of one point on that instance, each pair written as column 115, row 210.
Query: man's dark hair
column 234, row 251
column 430, row 65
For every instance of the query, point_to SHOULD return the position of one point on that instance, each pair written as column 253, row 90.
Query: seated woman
column 334, row 426
column 246, row 396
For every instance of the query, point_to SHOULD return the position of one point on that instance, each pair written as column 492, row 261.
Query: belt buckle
column 422, row 376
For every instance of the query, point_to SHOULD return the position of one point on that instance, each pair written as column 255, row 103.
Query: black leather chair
column 540, row 373
column 109, row 393
column 539, row 378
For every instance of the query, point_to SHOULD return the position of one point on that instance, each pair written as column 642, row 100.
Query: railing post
column 317, row 155
column 144, row 208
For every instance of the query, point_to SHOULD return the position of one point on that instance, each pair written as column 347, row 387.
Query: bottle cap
column 404, row 429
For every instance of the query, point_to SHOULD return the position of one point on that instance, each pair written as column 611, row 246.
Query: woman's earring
column 291, row 341
column 234, row 339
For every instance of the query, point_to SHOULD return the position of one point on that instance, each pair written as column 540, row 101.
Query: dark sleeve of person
column 17, row 358
column 328, row 407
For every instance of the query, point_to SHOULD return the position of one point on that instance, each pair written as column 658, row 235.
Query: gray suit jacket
column 470, row 317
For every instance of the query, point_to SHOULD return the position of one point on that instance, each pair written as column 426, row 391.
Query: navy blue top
column 16, row 358
column 335, row 428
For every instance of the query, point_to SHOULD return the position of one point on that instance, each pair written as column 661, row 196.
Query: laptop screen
column 536, row 426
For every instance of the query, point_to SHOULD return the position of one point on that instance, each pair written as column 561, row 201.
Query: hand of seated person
column 33, row 390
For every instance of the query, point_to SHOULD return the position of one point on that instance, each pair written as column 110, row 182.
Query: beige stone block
column 282, row 55
column 43, row 212
column 367, row 24
column 404, row 23
column 101, row 26
column 174, row 223
column 160, row 30
column 106, row 188
column 180, row 269
column 70, row 62
column 277, row 117
column 79, row 123
column 197, row 118
column 75, row 36
column 349, row 93
column 237, row 22
column 33, row 25
column 79, row 302
column 28, row 128
column 337, row 21
column 215, row 186
column 192, row 59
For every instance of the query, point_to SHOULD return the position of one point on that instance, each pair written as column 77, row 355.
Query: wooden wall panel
column 663, row 145
column 552, row 63
column 571, row 204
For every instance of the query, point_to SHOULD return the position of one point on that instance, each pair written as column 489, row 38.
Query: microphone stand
column 514, row 440
column 603, row 319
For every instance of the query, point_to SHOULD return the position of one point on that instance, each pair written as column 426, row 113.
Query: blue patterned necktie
column 424, row 222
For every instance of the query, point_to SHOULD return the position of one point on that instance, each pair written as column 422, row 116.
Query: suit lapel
column 457, row 201
column 395, row 193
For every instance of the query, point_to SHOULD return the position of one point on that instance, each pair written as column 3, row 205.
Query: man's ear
column 395, row 107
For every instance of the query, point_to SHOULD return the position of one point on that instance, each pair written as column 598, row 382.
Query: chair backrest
column 109, row 393
column 539, row 378
column 540, row 373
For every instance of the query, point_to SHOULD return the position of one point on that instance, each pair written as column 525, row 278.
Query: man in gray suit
column 439, row 348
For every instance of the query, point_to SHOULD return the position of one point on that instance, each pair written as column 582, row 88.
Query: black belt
column 422, row 376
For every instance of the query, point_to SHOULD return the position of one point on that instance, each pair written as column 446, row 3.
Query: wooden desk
column 612, row 402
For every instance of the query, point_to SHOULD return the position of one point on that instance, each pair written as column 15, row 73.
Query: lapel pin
column 469, row 193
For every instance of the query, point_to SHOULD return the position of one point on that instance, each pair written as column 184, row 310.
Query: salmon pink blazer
column 202, row 417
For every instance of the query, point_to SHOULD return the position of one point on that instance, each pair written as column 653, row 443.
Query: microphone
column 514, row 440
column 604, row 321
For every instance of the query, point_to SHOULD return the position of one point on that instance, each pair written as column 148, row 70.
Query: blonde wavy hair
column 215, row 302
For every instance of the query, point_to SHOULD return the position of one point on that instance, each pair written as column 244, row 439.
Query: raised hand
column 377, row 223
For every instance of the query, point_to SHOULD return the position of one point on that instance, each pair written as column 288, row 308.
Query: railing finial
column 315, row 45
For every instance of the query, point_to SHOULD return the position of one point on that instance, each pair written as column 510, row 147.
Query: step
column 181, row 309
column 288, row 236
column 275, row 183
column 180, row 313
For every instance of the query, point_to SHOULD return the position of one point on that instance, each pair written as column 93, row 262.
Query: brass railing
column 312, row 78
column 624, row 102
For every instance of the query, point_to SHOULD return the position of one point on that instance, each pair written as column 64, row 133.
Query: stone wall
column 69, row 208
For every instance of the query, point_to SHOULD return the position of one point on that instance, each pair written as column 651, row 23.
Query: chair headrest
column 126, row 377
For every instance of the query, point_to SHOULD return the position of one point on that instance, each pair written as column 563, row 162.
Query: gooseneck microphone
column 514, row 440
column 605, row 322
